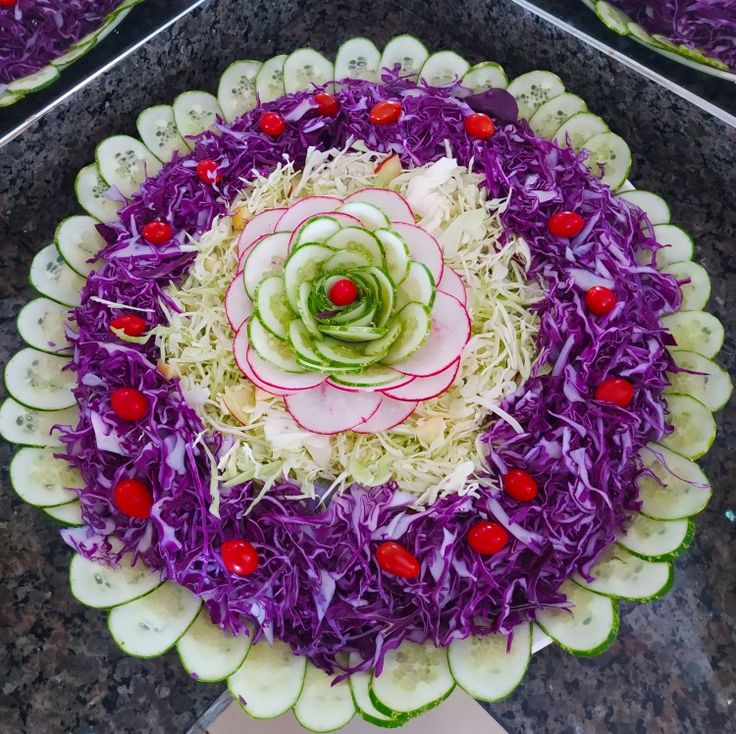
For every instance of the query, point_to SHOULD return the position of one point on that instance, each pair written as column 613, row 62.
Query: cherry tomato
column 239, row 557
column 487, row 538
column 327, row 105
column 157, row 233
column 344, row 292
column 396, row 560
column 133, row 498
column 520, row 485
column 129, row 323
column 272, row 124
column 615, row 390
column 207, row 171
column 385, row 112
column 600, row 300
column 7, row 3
column 479, row 125
column 565, row 224
column 128, row 403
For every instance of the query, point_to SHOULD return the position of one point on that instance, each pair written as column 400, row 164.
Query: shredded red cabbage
column 318, row 587
column 34, row 32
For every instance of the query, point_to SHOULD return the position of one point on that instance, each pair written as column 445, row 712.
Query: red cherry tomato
column 479, row 125
column 344, row 292
column 600, row 300
column 385, row 112
column 129, row 323
column 133, row 498
column 487, row 538
column 327, row 105
column 128, row 403
column 272, row 124
column 615, row 390
column 396, row 560
column 565, row 224
column 157, row 233
column 239, row 557
column 520, row 485
column 207, row 172
column 7, row 3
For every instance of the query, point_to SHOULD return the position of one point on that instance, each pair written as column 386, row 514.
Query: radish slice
column 321, row 230
column 423, row 248
column 453, row 284
column 389, row 202
column 240, row 350
column 271, row 375
column 390, row 413
column 238, row 305
column 446, row 341
column 328, row 410
column 265, row 258
column 425, row 388
column 263, row 223
column 305, row 208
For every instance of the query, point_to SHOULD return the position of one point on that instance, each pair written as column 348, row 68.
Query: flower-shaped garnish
column 346, row 308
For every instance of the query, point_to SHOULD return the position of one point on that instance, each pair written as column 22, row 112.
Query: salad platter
column 362, row 379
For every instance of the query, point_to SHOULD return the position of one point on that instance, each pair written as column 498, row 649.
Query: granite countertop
column 673, row 667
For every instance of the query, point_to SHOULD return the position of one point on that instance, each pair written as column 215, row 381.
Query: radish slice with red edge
column 423, row 248
column 313, row 229
column 238, row 306
column 453, row 284
column 271, row 375
column 305, row 208
column 447, row 339
column 425, row 388
column 263, row 223
column 389, row 202
column 328, row 410
column 390, row 413
column 240, row 351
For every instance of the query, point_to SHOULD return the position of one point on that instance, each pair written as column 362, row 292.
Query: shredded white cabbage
column 433, row 452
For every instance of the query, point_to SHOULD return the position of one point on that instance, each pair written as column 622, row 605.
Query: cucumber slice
column 548, row 119
column 78, row 241
column 415, row 320
column 395, row 252
column 696, row 293
column 696, row 331
column 407, row 52
column 484, row 76
column 443, row 68
column 533, row 89
column 695, row 428
column 679, row 490
column 270, row 79
column 621, row 575
column 8, row 98
column 617, row 21
column 318, row 229
column 374, row 376
column 209, row 654
column 273, row 307
column 656, row 540
column 159, row 133
column 357, row 239
column 79, row 49
column 612, row 153
column 340, row 353
column 306, row 68
column 484, row 668
column 41, row 480
column 35, row 379
column 653, row 205
column 69, row 514
column 677, row 244
column 589, row 628
column 265, row 258
column 323, row 706
column 357, row 58
column 269, row 681
column 103, row 587
column 195, row 112
column 53, row 278
column 271, row 349
column 415, row 678
column 34, row 82
column 236, row 92
column 41, row 324
column 92, row 196
column 640, row 34
column 579, row 129
column 302, row 267
column 28, row 427
column 713, row 387
column 151, row 625
column 359, row 684
column 418, row 286
column 125, row 163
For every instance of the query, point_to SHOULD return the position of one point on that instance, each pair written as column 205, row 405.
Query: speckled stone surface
column 673, row 668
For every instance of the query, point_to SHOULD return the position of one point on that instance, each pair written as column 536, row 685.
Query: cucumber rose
column 346, row 309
